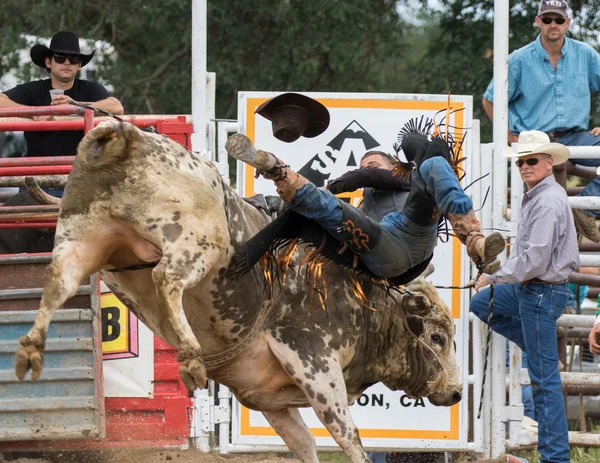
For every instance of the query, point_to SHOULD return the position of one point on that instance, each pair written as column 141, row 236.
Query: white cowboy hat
column 536, row 142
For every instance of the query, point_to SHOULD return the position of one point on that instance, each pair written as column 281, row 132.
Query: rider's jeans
column 403, row 243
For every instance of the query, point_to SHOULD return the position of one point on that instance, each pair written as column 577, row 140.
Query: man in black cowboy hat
column 63, row 60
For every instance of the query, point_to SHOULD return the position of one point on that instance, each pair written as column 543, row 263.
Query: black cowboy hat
column 294, row 115
column 64, row 42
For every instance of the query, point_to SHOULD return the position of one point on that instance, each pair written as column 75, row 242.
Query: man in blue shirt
column 549, row 86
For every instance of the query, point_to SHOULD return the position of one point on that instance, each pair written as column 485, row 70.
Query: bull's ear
column 415, row 324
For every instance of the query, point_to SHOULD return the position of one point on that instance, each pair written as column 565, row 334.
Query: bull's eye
column 437, row 339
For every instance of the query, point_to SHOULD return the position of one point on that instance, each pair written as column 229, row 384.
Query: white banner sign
column 359, row 123
column 127, row 351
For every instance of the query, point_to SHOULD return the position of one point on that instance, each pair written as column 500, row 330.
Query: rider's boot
column 286, row 180
column 481, row 249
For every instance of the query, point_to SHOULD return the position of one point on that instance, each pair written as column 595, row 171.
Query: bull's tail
column 106, row 145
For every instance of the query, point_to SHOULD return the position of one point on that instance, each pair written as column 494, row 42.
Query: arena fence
column 164, row 418
column 207, row 417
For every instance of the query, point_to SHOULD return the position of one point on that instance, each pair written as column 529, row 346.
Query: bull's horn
column 416, row 303
column 428, row 271
column 38, row 194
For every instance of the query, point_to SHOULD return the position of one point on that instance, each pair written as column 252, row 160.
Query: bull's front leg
column 290, row 426
column 326, row 392
column 61, row 280
column 183, row 265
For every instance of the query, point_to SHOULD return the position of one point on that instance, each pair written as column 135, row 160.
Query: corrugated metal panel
column 66, row 401
column 163, row 421
column 63, row 403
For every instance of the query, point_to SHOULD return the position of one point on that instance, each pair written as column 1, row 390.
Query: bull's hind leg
column 61, row 281
column 184, row 264
column 291, row 428
column 324, row 386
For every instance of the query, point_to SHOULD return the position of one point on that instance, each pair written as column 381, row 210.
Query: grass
column 578, row 455
column 333, row 457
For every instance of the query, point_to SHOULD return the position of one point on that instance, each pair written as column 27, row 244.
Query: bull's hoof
column 193, row 374
column 27, row 358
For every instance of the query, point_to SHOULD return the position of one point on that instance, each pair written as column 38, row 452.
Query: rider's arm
column 367, row 177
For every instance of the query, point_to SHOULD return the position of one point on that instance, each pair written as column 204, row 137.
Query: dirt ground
column 142, row 456
column 194, row 456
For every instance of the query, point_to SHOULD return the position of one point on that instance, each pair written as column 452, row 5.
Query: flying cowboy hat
column 64, row 43
column 294, row 115
column 536, row 142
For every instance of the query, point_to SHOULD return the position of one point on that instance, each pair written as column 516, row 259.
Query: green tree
column 460, row 58
column 283, row 45
column 332, row 45
column 150, row 69
column 336, row 46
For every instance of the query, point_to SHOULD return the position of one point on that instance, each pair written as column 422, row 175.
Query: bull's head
column 430, row 354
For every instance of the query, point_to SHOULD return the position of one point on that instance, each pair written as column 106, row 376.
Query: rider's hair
column 377, row 153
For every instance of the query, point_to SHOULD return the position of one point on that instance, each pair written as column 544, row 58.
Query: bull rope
column 216, row 360
column 106, row 113
column 487, row 349
column 132, row 267
column 220, row 358
column 95, row 109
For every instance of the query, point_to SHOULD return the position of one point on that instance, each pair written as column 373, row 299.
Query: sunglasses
column 73, row 59
column 529, row 162
column 558, row 21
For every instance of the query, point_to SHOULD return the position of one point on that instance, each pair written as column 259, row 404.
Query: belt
column 556, row 134
column 537, row 281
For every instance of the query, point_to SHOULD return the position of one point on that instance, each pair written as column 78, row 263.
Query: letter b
column 111, row 329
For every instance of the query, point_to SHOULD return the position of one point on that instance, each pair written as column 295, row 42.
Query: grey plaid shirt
column 546, row 241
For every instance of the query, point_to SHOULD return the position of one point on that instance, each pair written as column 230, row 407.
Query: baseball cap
column 553, row 6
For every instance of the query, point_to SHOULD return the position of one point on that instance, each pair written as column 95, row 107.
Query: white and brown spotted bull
column 135, row 197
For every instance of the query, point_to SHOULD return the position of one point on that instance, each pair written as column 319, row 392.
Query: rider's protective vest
column 379, row 203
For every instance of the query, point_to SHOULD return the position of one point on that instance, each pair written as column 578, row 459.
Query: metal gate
column 67, row 401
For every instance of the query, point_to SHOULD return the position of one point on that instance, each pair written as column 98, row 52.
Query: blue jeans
column 526, row 315
column 585, row 138
column 403, row 244
column 583, row 291
column 56, row 192
column 377, row 457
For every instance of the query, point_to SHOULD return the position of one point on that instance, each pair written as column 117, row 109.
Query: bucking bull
column 135, row 197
